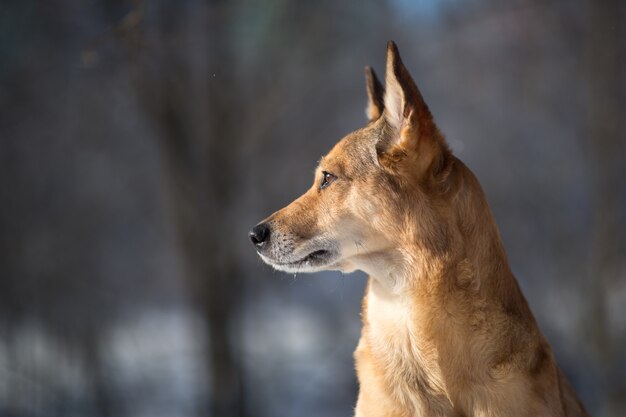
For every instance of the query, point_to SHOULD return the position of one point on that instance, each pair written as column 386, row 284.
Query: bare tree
column 194, row 123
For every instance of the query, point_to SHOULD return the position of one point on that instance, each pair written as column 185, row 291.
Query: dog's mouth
column 314, row 261
column 313, row 257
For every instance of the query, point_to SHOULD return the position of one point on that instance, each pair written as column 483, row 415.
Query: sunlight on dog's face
column 374, row 194
column 338, row 223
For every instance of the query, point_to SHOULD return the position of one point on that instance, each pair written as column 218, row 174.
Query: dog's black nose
column 259, row 234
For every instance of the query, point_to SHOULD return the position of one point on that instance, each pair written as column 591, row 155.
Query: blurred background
column 140, row 141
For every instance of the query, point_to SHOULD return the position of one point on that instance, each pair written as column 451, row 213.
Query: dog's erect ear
column 375, row 95
column 412, row 131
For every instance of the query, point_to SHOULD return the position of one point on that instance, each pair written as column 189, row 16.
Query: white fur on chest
column 388, row 315
column 408, row 358
column 410, row 365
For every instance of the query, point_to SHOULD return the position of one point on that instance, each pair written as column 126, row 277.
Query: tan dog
column 446, row 329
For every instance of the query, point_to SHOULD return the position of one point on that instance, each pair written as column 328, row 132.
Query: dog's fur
column 446, row 329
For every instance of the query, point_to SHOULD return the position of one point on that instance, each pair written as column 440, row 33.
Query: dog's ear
column 411, row 131
column 375, row 95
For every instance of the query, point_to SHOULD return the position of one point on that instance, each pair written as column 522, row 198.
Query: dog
column 446, row 329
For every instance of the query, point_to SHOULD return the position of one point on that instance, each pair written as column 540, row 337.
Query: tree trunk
column 602, row 56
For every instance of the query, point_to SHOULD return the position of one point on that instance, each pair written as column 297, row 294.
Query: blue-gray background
column 139, row 141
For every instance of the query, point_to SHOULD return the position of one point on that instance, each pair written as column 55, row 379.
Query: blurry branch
column 125, row 29
column 602, row 59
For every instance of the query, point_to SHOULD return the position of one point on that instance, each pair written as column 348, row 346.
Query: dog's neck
column 473, row 253
column 422, row 308
column 427, row 295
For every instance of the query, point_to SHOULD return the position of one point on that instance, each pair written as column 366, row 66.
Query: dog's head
column 379, row 190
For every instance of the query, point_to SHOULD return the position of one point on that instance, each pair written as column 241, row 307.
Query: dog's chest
column 407, row 362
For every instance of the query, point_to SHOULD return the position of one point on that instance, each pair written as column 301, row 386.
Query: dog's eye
column 327, row 179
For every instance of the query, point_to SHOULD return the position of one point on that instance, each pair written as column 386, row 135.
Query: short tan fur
column 446, row 329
